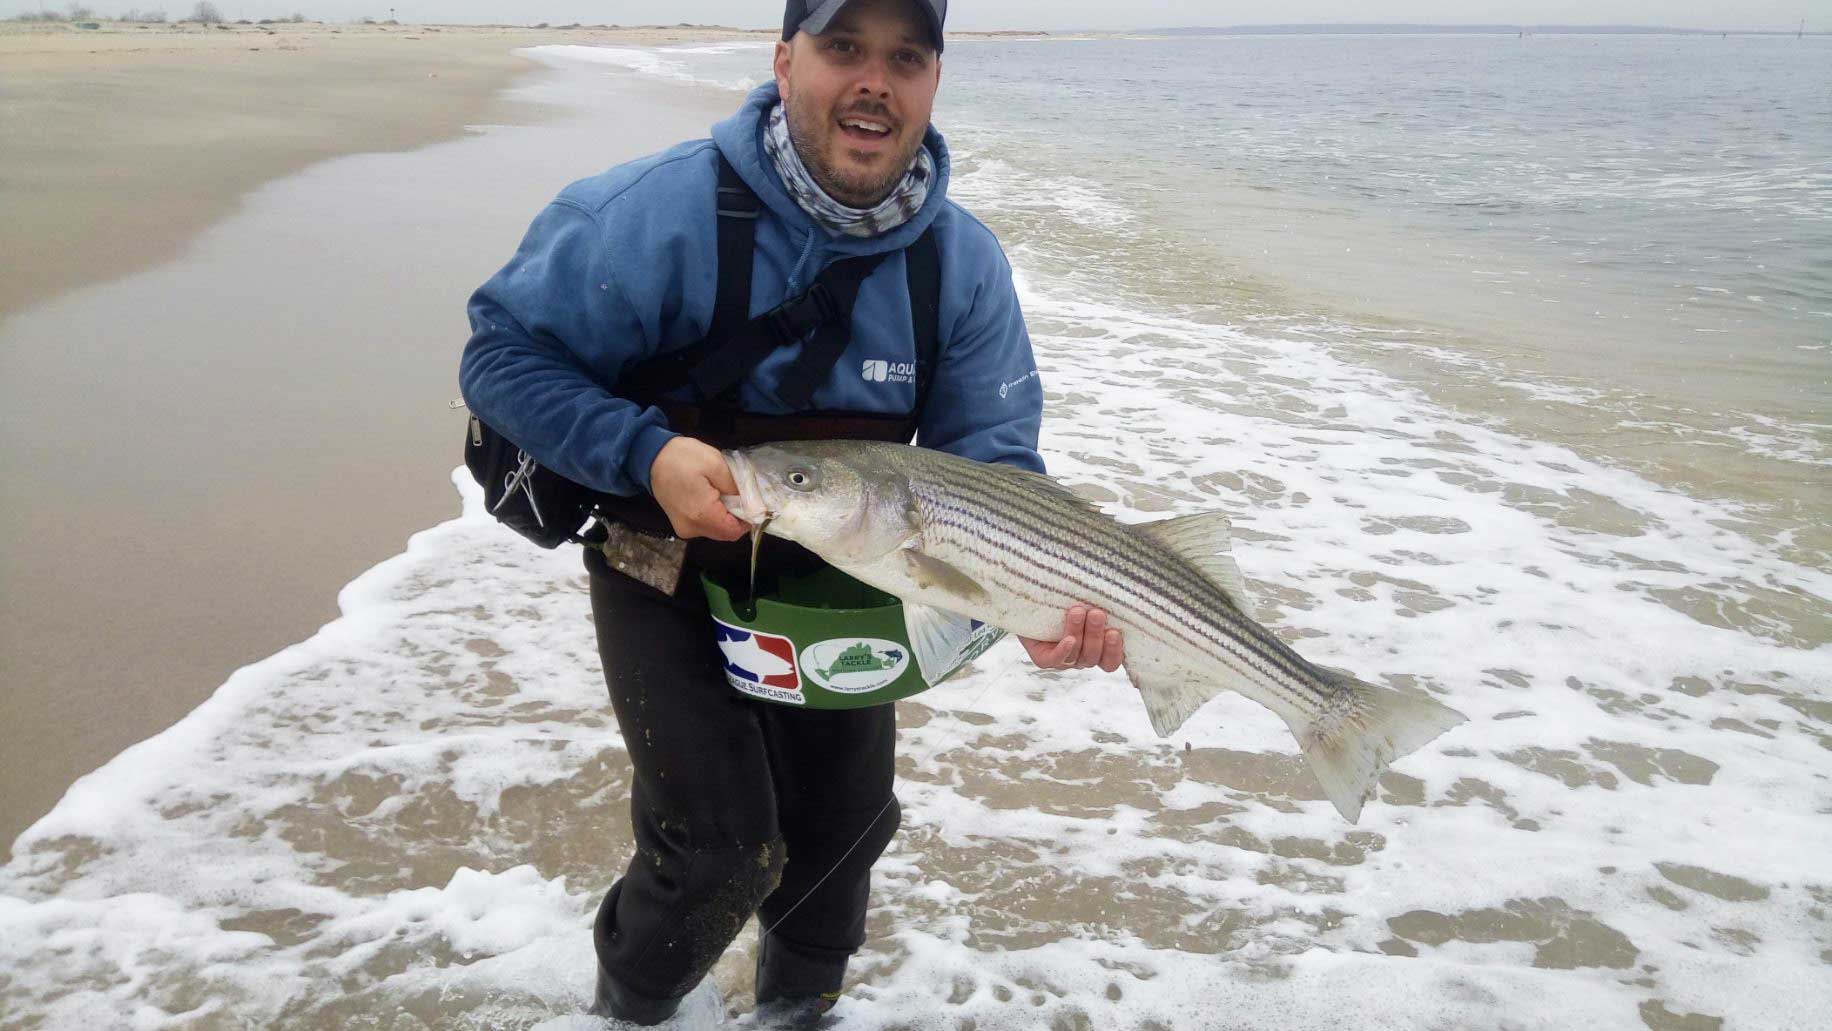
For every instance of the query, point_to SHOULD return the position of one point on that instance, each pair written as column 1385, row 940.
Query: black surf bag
column 524, row 495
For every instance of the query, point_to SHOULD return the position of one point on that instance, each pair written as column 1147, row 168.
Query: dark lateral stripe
column 1226, row 652
column 1019, row 518
column 1018, row 501
column 1135, row 557
column 1144, row 557
column 1152, row 567
column 1208, row 635
column 1194, row 631
column 1019, row 567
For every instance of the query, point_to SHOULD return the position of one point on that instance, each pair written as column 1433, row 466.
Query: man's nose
column 874, row 81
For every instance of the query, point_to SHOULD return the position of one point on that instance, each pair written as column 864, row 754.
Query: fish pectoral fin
column 933, row 572
column 1171, row 690
column 1203, row 540
column 936, row 637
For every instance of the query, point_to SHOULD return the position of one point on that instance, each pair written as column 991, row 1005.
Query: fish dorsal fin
column 1203, row 541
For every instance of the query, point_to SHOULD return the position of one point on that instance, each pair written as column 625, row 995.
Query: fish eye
column 800, row 479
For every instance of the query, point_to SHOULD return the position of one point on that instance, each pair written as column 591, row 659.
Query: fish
column 955, row 540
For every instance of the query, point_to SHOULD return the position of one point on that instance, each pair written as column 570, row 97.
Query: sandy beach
column 124, row 142
column 162, row 496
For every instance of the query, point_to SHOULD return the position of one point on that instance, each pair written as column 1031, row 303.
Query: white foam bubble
column 710, row 65
column 645, row 60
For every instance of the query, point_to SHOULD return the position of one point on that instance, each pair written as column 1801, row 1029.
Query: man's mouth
column 865, row 130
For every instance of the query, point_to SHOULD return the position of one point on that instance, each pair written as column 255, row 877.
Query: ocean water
column 406, row 821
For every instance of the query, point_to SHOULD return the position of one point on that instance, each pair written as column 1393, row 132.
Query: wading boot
column 618, row 1002
column 806, row 1012
column 796, row 986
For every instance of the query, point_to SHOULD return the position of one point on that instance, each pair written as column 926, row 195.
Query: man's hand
column 1086, row 641
column 687, row 478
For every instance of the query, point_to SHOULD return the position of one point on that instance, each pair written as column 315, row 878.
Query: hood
column 740, row 139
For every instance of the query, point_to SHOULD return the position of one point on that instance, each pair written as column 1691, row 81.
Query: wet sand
column 200, row 453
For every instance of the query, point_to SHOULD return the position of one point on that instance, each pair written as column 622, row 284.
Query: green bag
column 826, row 641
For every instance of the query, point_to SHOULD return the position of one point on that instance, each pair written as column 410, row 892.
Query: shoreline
column 104, row 112
column 103, row 124
column 191, row 509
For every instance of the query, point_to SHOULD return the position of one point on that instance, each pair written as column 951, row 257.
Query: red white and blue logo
column 760, row 664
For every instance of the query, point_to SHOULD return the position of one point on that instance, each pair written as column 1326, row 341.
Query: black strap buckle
column 738, row 202
column 797, row 318
column 826, row 306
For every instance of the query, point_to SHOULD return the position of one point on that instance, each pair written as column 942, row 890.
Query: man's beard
column 852, row 192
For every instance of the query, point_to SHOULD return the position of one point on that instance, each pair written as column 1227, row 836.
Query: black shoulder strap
column 838, row 289
column 735, row 343
column 840, row 283
column 738, row 210
column 922, row 264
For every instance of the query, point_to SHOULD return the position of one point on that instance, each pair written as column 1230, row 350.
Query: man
column 738, row 806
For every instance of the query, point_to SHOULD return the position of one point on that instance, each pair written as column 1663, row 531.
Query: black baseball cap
column 812, row 16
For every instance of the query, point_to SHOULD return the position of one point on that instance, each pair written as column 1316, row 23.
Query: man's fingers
column 1074, row 623
column 715, row 522
column 1093, row 640
column 1086, row 641
column 720, row 475
column 687, row 479
column 1037, row 650
column 1113, row 651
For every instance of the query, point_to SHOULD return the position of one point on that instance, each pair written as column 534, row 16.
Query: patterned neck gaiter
column 893, row 211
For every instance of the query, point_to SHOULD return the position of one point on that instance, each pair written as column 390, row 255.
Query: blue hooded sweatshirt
column 623, row 266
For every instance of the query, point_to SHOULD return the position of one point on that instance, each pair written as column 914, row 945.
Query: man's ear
column 783, row 54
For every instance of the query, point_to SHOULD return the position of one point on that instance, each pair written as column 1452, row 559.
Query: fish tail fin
column 1348, row 747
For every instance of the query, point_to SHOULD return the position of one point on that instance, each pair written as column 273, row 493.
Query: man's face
column 858, row 97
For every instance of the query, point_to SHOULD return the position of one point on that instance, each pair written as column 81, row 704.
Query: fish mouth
column 750, row 504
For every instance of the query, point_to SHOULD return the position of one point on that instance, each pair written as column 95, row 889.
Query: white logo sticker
column 854, row 665
column 877, row 370
column 759, row 664
column 1005, row 388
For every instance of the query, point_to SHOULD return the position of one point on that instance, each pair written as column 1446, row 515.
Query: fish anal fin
column 1172, row 692
column 934, row 573
column 935, row 638
column 1362, row 734
column 1203, row 541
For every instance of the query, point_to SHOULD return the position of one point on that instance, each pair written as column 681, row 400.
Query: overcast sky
column 1034, row 14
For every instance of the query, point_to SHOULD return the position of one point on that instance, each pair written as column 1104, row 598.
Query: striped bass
column 955, row 538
